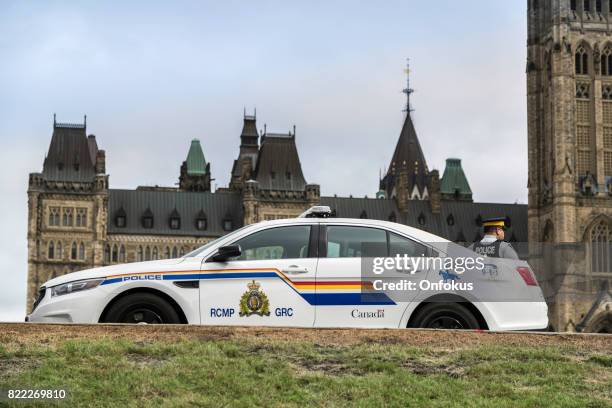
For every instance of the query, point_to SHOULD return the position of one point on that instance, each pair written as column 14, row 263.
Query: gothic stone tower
column 67, row 206
column 195, row 172
column 569, row 85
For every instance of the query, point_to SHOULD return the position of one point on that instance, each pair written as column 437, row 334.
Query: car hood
column 103, row 272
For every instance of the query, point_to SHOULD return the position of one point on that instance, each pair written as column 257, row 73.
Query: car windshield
column 202, row 249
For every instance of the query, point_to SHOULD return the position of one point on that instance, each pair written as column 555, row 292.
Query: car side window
column 275, row 243
column 349, row 242
column 403, row 246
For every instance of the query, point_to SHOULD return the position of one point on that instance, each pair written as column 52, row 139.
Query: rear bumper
column 515, row 316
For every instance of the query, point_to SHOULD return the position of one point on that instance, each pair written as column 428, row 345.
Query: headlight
column 77, row 286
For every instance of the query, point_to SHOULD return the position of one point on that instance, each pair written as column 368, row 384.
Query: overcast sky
column 153, row 75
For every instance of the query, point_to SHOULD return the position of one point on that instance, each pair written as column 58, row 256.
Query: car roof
column 400, row 228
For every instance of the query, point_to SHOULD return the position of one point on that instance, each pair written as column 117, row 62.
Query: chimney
column 101, row 162
column 434, row 192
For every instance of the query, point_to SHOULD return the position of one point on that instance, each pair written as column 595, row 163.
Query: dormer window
column 76, row 166
column 272, row 175
column 60, row 166
column 120, row 218
column 147, row 219
column 120, row 221
column 227, row 224
column 201, row 221
column 288, row 175
column 175, row 220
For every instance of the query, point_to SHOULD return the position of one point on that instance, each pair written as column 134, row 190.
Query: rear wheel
column 448, row 316
column 144, row 308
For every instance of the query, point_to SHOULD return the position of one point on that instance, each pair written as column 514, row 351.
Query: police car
column 303, row 272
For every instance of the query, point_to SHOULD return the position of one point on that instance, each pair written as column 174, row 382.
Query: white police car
column 301, row 272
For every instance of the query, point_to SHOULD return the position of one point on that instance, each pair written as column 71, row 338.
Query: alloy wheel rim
column 142, row 316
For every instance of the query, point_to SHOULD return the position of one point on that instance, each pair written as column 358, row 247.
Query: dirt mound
column 28, row 333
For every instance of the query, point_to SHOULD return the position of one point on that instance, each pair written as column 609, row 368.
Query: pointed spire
column 408, row 91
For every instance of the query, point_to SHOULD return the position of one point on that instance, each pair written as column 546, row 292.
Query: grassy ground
column 136, row 366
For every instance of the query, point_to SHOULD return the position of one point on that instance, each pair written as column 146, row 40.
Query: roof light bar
column 318, row 211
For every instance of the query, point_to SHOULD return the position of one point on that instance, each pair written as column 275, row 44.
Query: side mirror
column 225, row 253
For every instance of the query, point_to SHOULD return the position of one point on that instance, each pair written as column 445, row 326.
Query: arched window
column 174, row 253
column 51, row 253
column 58, row 250
column 606, row 61
column 122, row 254
column 54, row 216
column 115, row 254
column 147, row 254
column 107, row 254
column 599, row 240
column 182, row 252
column 155, row 254
column 167, row 253
column 82, row 251
column 582, row 61
column 81, row 217
column 140, row 254
column 73, row 251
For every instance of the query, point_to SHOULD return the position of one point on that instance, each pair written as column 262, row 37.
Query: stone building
column 76, row 221
column 569, row 81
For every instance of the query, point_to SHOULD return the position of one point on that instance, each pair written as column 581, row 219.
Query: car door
column 341, row 302
column 269, row 284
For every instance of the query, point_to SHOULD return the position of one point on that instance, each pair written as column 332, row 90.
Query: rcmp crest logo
column 254, row 301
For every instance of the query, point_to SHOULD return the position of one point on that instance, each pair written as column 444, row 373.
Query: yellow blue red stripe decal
column 313, row 292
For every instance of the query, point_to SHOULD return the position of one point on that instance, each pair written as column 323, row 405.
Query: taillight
column 527, row 276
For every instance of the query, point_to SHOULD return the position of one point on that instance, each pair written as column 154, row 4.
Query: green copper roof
column 196, row 164
column 454, row 181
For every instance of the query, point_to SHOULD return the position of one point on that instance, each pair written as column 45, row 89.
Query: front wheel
column 142, row 308
column 446, row 316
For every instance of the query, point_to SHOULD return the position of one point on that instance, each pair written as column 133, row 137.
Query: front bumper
column 78, row 307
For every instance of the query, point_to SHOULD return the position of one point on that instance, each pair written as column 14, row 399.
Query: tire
column 447, row 316
column 142, row 308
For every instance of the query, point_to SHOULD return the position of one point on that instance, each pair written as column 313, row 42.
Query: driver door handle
column 295, row 270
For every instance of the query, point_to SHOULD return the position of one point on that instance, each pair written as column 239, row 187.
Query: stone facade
column 569, row 82
column 267, row 182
